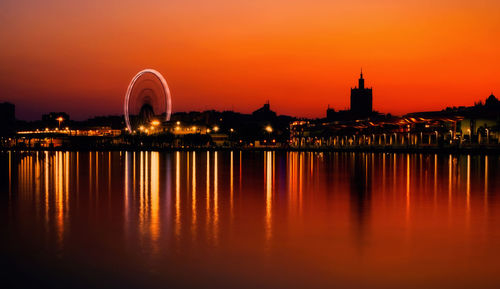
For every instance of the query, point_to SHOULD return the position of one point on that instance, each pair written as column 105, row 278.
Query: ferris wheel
column 148, row 99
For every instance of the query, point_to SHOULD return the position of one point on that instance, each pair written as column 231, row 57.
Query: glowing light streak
column 269, row 192
column 177, row 194
column 216, row 197
column 193, row 196
column 468, row 182
column 155, row 198
column 231, row 187
column 208, row 188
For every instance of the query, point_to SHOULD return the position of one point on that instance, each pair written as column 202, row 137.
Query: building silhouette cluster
column 360, row 126
column 361, row 104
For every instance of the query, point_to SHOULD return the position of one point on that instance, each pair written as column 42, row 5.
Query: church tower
column 361, row 81
column 361, row 99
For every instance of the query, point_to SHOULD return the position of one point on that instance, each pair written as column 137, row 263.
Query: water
column 249, row 220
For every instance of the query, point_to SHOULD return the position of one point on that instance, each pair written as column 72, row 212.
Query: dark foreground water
column 249, row 220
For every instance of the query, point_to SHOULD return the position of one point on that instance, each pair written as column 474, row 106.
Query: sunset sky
column 301, row 55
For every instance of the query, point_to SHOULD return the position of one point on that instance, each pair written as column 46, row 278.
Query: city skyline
column 301, row 57
column 250, row 144
column 356, row 101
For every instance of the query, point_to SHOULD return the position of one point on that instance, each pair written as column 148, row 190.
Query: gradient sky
column 79, row 56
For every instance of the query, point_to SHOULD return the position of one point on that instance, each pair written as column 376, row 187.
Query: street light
column 154, row 124
column 269, row 130
column 60, row 119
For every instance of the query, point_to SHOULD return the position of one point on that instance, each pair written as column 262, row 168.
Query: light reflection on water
column 264, row 219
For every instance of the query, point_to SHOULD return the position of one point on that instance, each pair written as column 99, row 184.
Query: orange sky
column 300, row 54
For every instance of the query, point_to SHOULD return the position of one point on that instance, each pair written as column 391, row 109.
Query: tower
column 361, row 99
column 361, row 80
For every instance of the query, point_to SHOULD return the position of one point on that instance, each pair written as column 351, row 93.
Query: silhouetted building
column 55, row 119
column 492, row 101
column 53, row 116
column 7, row 118
column 330, row 113
column 361, row 99
column 112, row 121
column 264, row 113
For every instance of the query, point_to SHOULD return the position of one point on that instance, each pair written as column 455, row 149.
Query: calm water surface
column 249, row 220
